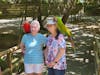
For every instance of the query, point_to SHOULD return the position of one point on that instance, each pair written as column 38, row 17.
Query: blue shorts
column 52, row 71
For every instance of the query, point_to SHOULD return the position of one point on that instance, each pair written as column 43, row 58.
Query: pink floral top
column 53, row 49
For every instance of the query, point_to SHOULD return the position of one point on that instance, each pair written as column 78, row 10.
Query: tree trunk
column 65, row 17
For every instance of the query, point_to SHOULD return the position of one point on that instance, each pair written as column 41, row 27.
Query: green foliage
column 93, row 9
column 3, row 64
column 76, row 9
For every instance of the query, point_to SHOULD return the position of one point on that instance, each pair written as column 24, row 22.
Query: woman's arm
column 45, row 53
column 60, row 54
column 58, row 57
column 22, row 46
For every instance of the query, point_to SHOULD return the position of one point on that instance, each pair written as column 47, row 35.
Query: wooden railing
column 11, row 50
column 8, row 53
column 11, row 65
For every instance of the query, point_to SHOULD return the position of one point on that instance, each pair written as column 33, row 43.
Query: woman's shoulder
column 61, row 39
column 49, row 36
column 61, row 36
column 41, row 35
column 26, row 35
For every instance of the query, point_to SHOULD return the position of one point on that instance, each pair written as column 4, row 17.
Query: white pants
column 33, row 68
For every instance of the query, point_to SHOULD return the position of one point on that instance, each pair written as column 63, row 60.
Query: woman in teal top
column 32, row 45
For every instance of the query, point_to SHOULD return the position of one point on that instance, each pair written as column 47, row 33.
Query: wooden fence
column 8, row 53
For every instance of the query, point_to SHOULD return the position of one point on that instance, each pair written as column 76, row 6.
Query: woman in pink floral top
column 53, row 49
column 55, row 56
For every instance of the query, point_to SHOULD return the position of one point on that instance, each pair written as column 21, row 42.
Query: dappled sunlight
column 83, row 57
column 6, row 21
column 72, row 73
column 7, row 32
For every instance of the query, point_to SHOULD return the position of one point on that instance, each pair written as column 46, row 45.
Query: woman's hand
column 51, row 64
column 23, row 52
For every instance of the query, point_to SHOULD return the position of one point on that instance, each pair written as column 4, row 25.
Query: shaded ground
column 83, row 61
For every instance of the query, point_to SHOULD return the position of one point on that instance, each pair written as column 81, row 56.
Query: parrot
column 62, row 28
column 26, row 27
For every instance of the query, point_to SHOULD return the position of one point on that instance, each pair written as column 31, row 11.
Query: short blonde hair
column 35, row 22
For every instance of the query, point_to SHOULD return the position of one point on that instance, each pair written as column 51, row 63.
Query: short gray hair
column 35, row 22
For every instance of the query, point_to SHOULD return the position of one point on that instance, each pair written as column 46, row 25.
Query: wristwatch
column 55, row 61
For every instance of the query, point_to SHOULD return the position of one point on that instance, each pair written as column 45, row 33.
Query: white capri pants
column 33, row 68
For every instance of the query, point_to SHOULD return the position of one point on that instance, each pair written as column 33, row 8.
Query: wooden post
column 9, row 61
column 0, row 71
column 99, row 69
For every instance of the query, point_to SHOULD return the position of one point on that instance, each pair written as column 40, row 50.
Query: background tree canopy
column 39, row 8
